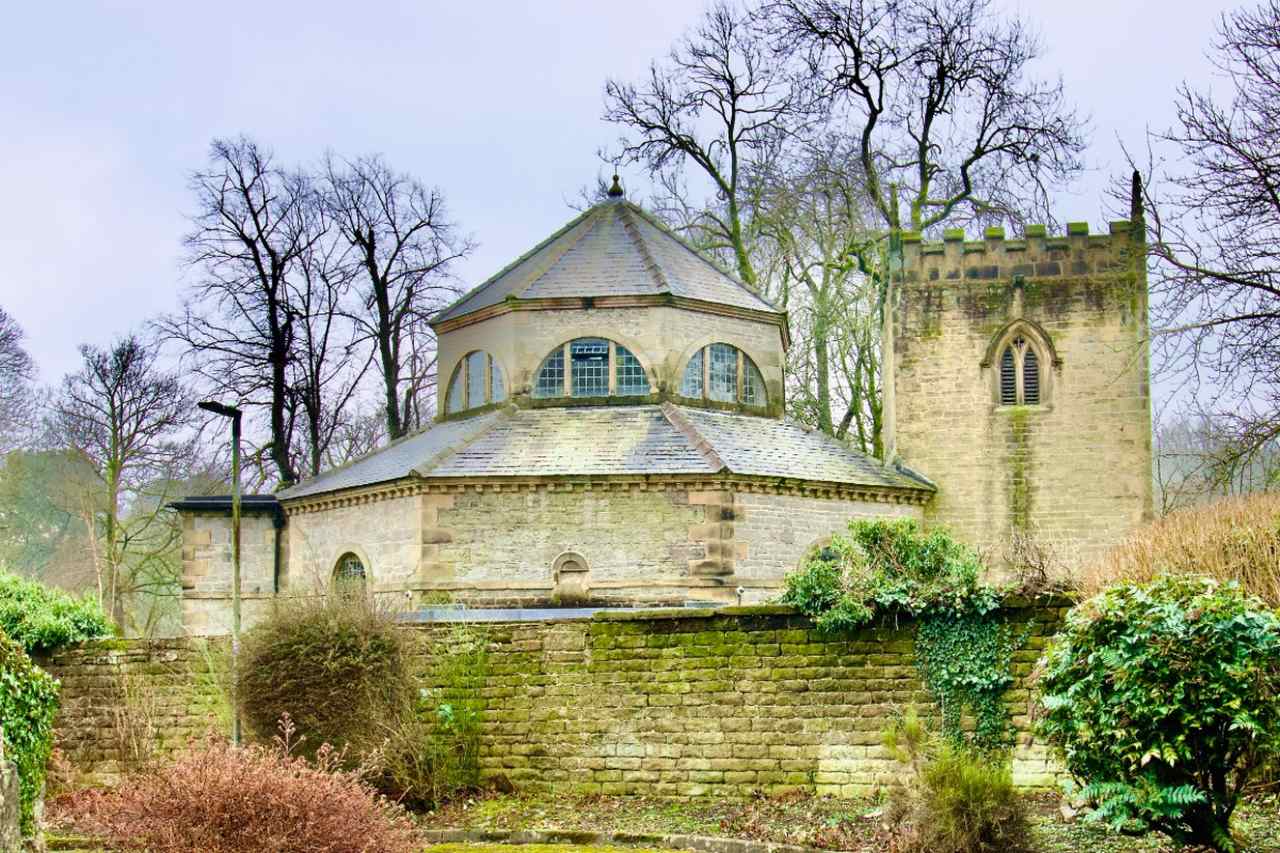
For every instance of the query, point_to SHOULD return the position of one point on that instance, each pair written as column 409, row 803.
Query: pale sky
column 106, row 107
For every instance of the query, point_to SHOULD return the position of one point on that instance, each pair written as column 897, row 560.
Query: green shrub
column 28, row 703
column 951, row 799
column 964, row 649
column 337, row 665
column 1163, row 698
column 432, row 749
column 41, row 619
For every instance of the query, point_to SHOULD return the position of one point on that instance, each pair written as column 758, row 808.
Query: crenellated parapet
column 1035, row 255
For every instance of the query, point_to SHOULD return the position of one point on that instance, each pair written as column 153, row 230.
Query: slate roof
column 612, row 440
column 613, row 249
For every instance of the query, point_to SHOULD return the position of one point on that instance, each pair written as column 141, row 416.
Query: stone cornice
column 409, row 487
column 582, row 303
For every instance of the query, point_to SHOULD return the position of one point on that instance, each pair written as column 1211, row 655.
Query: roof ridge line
column 670, row 232
column 423, row 469
column 568, row 226
column 686, row 428
column 651, row 263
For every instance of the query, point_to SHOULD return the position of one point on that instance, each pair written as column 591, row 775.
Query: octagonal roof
column 613, row 249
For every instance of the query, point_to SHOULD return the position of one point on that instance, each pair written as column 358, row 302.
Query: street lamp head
column 218, row 408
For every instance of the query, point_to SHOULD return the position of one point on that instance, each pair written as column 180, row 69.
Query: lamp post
column 234, row 414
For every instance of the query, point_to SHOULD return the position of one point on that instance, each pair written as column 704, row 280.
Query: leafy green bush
column 951, row 799
column 1163, row 698
column 337, row 665
column 28, row 703
column 41, row 619
column 964, row 649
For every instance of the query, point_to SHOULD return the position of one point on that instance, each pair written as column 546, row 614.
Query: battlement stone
column 1035, row 255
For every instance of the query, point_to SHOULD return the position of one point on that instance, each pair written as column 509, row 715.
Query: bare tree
column 17, row 398
column 940, row 100
column 404, row 247
column 253, row 222
column 125, row 417
column 1213, row 217
column 718, row 103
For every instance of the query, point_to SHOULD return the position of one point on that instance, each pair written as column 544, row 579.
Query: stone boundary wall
column 123, row 701
column 661, row 703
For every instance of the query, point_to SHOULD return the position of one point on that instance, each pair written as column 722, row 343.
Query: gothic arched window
column 725, row 374
column 591, row 367
column 476, row 381
column 1020, row 379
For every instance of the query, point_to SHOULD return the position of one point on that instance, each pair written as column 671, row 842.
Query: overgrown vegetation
column 950, row 799
column 226, row 799
column 964, row 647
column 28, row 703
column 1164, row 698
column 41, row 618
column 347, row 674
column 337, row 665
column 1234, row 539
column 432, row 748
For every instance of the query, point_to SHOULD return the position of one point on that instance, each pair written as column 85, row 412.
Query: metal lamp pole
column 234, row 414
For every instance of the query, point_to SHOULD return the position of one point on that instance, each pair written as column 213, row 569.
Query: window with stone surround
column 349, row 576
column 1021, row 357
column 725, row 374
column 476, row 381
column 591, row 367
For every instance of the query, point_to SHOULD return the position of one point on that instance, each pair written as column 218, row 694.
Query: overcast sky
column 106, row 107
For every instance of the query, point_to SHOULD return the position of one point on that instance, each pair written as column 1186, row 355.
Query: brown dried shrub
column 1233, row 539
column 220, row 798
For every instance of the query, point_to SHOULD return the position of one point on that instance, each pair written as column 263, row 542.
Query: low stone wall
column 662, row 703
column 123, row 701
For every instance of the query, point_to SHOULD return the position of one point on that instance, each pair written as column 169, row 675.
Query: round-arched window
column 591, row 367
column 724, row 374
column 349, row 575
column 476, row 381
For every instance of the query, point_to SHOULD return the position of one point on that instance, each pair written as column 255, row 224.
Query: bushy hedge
column 226, row 799
column 337, row 665
column 28, row 703
column 41, row 619
column 964, row 648
column 1163, row 698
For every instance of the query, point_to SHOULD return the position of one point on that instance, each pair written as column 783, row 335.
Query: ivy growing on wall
column 964, row 646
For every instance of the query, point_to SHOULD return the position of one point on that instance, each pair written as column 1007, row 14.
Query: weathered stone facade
column 207, row 568
column 1073, row 471
column 670, row 703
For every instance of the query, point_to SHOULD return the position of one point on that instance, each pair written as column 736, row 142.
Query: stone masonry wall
column 665, row 703
column 1073, row 472
column 122, row 699
column 207, row 570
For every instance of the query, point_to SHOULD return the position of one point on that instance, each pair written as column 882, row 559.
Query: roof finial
column 615, row 191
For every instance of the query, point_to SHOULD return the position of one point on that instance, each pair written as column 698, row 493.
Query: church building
column 611, row 430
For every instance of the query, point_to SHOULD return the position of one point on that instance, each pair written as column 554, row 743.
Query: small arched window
column 1019, row 374
column 591, row 367
column 349, row 576
column 476, row 381
column 725, row 374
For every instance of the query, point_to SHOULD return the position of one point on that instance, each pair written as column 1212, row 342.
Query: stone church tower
column 1017, row 377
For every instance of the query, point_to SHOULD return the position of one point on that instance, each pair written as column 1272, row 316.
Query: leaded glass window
column 456, row 401
column 475, row 379
column 589, row 358
column 631, row 378
column 349, row 577
column 498, row 390
column 723, row 375
column 550, row 382
column 691, row 383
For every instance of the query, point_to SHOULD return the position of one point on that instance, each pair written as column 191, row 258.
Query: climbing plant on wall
column 964, row 646
column 28, row 703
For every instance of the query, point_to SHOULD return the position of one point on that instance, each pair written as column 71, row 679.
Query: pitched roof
column 612, row 440
column 613, row 249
